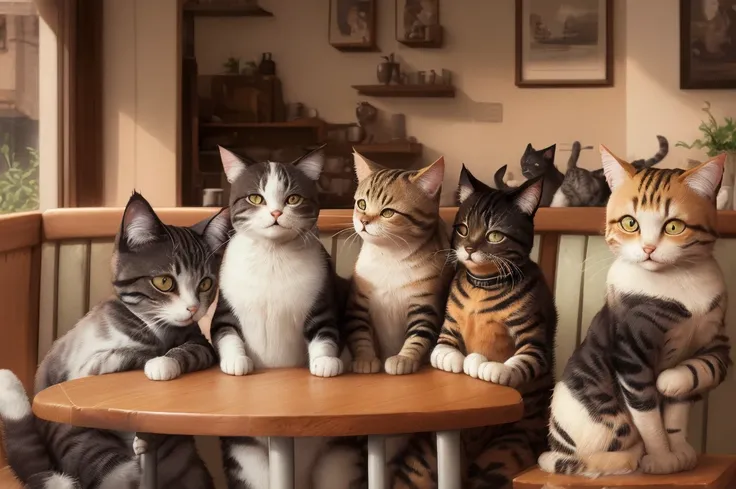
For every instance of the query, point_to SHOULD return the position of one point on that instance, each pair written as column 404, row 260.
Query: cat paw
column 326, row 366
column 162, row 368
column 684, row 452
column 668, row 462
column 401, row 365
column 236, row 365
column 472, row 362
column 370, row 365
column 675, row 382
column 447, row 358
column 498, row 373
column 140, row 446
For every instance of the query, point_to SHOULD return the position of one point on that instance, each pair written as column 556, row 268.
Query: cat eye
column 674, row 227
column 495, row 237
column 461, row 230
column 205, row 284
column 255, row 199
column 164, row 283
column 361, row 204
column 294, row 199
column 387, row 213
column 629, row 224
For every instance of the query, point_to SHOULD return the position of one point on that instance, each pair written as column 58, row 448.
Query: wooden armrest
column 712, row 472
column 8, row 480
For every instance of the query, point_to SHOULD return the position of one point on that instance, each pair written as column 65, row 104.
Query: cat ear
column 529, row 148
column 528, row 196
column 705, row 179
column 363, row 166
column 233, row 165
column 549, row 153
column 617, row 171
column 217, row 230
column 430, row 178
column 465, row 187
column 311, row 164
column 140, row 225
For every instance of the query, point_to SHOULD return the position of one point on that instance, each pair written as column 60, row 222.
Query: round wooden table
column 285, row 403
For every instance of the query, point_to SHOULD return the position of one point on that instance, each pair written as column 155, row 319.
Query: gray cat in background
column 277, row 305
column 586, row 188
column 165, row 278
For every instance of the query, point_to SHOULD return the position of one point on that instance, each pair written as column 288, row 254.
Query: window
column 19, row 106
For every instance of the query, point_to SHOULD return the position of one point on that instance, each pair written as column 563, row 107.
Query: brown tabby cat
column 659, row 341
column 500, row 327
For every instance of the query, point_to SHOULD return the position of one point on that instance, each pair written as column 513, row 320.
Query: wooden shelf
column 300, row 123
column 426, row 90
column 226, row 10
column 398, row 148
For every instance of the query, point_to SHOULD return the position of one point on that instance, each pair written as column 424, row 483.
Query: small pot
column 385, row 72
column 356, row 134
column 396, row 73
column 267, row 66
column 212, row 197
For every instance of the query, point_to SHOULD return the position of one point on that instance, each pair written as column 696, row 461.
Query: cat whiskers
column 604, row 262
column 230, row 235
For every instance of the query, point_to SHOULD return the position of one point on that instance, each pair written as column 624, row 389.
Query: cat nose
column 648, row 249
column 469, row 249
column 364, row 222
column 276, row 214
column 193, row 309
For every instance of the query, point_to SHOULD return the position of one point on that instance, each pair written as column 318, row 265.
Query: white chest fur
column 695, row 286
column 386, row 277
column 272, row 290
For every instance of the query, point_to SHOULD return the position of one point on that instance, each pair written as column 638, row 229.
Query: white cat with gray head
column 277, row 304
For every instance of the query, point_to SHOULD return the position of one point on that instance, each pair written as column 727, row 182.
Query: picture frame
column 417, row 23
column 3, row 33
column 352, row 25
column 707, row 49
column 554, row 53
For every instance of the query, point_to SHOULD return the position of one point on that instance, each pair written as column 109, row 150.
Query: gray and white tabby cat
column 585, row 188
column 164, row 278
column 277, row 304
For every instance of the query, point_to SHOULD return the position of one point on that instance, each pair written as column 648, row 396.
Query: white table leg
column 448, row 460
column 149, row 464
column 377, row 474
column 280, row 463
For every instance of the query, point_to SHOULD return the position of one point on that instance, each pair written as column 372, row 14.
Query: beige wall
column 479, row 49
column 141, row 72
column 654, row 102
column 140, row 100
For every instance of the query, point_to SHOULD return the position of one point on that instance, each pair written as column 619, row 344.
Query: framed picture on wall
column 3, row 33
column 352, row 25
column 564, row 43
column 707, row 44
column 418, row 23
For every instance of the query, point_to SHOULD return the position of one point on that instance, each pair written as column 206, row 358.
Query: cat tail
column 24, row 445
column 664, row 149
column 594, row 464
column 498, row 178
column 572, row 162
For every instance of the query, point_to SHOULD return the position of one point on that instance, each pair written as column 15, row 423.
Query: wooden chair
column 712, row 472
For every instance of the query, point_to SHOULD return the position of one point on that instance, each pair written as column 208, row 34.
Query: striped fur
column 659, row 342
column 499, row 327
column 585, row 188
column 141, row 327
column 277, row 305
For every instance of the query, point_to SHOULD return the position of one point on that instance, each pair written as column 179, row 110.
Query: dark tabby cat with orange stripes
column 659, row 341
column 499, row 326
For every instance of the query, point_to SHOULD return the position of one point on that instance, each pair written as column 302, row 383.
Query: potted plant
column 718, row 138
column 232, row 66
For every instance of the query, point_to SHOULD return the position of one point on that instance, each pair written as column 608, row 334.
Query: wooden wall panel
column 568, row 297
column 47, row 301
column 100, row 274
column 598, row 260
column 346, row 250
column 721, row 430
column 19, row 334
column 73, row 285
